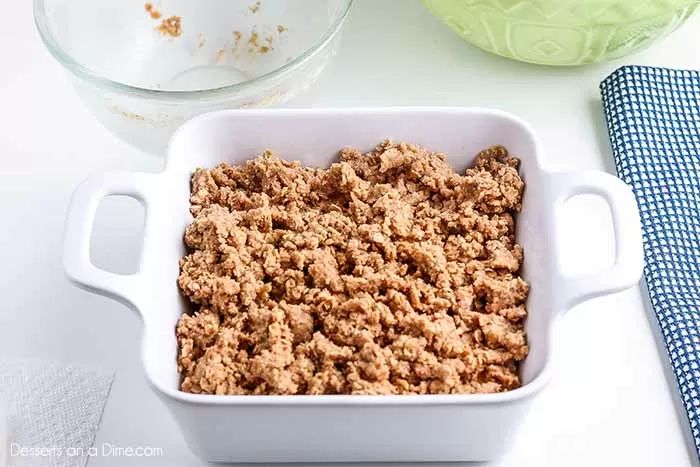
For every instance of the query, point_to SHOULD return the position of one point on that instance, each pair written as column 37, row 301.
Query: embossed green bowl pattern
column 562, row 32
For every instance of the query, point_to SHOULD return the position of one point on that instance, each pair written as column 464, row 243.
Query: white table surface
column 610, row 402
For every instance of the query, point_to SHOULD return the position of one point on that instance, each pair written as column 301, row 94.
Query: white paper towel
column 53, row 412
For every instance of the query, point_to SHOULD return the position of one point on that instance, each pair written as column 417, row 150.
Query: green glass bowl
column 562, row 32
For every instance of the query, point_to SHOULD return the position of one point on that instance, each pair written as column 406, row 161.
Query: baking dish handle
column 627, row 267
column 79, row 225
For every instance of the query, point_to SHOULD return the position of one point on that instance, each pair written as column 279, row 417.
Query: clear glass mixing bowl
column 145, row 68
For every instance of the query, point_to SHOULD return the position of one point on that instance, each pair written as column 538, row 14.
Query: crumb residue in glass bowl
column 254, row 8
column 152, row 11
column 257, row 42
column 220, row 54
column 171, row 26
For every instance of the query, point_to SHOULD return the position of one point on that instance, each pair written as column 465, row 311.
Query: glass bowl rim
column 89, row 75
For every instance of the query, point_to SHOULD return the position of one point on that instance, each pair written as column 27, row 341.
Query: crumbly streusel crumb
column 152, row 11
column 171, row 26
column 387, row 273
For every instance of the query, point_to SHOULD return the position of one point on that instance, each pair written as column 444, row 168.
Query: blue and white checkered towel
column 653, row 117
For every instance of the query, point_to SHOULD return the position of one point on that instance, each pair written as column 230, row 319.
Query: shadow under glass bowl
column 144, row 69
column 562, row 32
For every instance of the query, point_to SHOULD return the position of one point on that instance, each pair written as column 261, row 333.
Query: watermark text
column 103, row 450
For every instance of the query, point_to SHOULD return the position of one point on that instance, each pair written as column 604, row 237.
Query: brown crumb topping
column 387, row 273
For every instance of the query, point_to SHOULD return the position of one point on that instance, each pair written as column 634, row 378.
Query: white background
column 610, row 402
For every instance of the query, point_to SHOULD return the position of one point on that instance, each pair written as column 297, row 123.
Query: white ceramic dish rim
column 81, row 71
column 625, row 272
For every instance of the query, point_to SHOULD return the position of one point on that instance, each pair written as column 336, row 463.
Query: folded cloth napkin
column 52, row 412
column 653, row 117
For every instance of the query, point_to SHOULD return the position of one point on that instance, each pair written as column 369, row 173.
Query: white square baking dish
column 346, row 428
